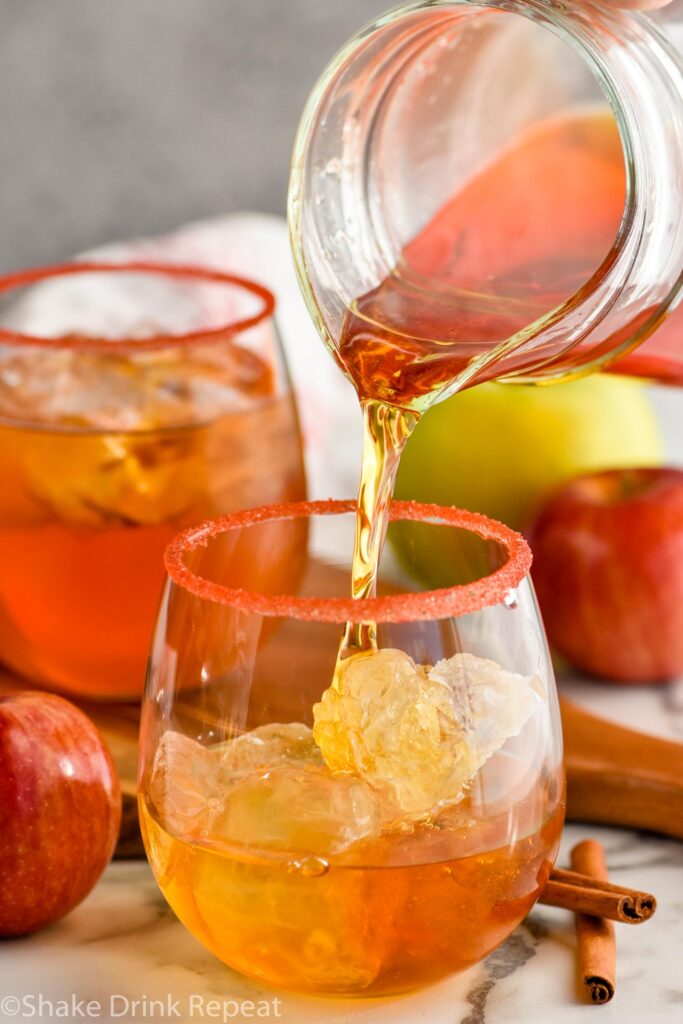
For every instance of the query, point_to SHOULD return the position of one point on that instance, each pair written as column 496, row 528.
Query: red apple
column 608, row 570
column 60, row 809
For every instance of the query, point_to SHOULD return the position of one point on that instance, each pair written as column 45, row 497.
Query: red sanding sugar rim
column 408, row 607
column 205, row 275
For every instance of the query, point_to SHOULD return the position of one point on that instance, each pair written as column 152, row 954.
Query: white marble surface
column 123, row 941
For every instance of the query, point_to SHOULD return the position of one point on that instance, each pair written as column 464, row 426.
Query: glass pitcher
column 493, row 190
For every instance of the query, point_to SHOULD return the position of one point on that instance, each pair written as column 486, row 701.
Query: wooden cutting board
column 618, row 776
column 615, row 776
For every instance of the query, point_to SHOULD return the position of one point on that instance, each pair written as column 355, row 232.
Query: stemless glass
column 144, row 398
column 412, row 830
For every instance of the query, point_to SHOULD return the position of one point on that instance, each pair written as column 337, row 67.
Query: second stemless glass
column 112, row 438
column 412, row 829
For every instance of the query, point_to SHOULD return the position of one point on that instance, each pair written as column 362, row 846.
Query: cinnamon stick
column 595, row 935
column 584, row 893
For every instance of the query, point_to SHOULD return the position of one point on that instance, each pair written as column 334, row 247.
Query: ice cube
column 268, row 746
column 298, row 808
column 124, row 442
column 417, row 735
column 391, row 725
column 491, row 704
column 185, row 785
column 282, row 907
column 109, row 390
column 94, row 479
column 300, row 929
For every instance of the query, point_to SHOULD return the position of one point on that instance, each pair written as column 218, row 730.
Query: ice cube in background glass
column 140, row 476
column 118, row 390
column 112, row 479
column 235, row 244
column 104, row 461
column 122, row 391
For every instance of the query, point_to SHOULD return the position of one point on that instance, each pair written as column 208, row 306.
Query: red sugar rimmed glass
column 135, row 399
column 280, row 841
column 459, row 599
column 235, row 322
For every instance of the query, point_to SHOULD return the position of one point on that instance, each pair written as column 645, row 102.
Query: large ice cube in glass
column 185, row 785
column 420, row 735
column 300, row 809
column 270, row 745
column 491, row 704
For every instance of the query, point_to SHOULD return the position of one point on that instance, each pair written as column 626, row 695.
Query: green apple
column 500, row 448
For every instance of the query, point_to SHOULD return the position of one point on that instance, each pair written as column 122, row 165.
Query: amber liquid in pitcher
column 520, row 239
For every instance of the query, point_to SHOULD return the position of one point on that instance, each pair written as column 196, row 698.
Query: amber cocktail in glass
column 134, row 399
column 361, row 830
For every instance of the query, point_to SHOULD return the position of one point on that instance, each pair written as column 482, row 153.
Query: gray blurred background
column 125, row 117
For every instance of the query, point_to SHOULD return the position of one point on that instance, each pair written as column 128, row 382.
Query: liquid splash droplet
column 309, row 867
column 313, row 867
